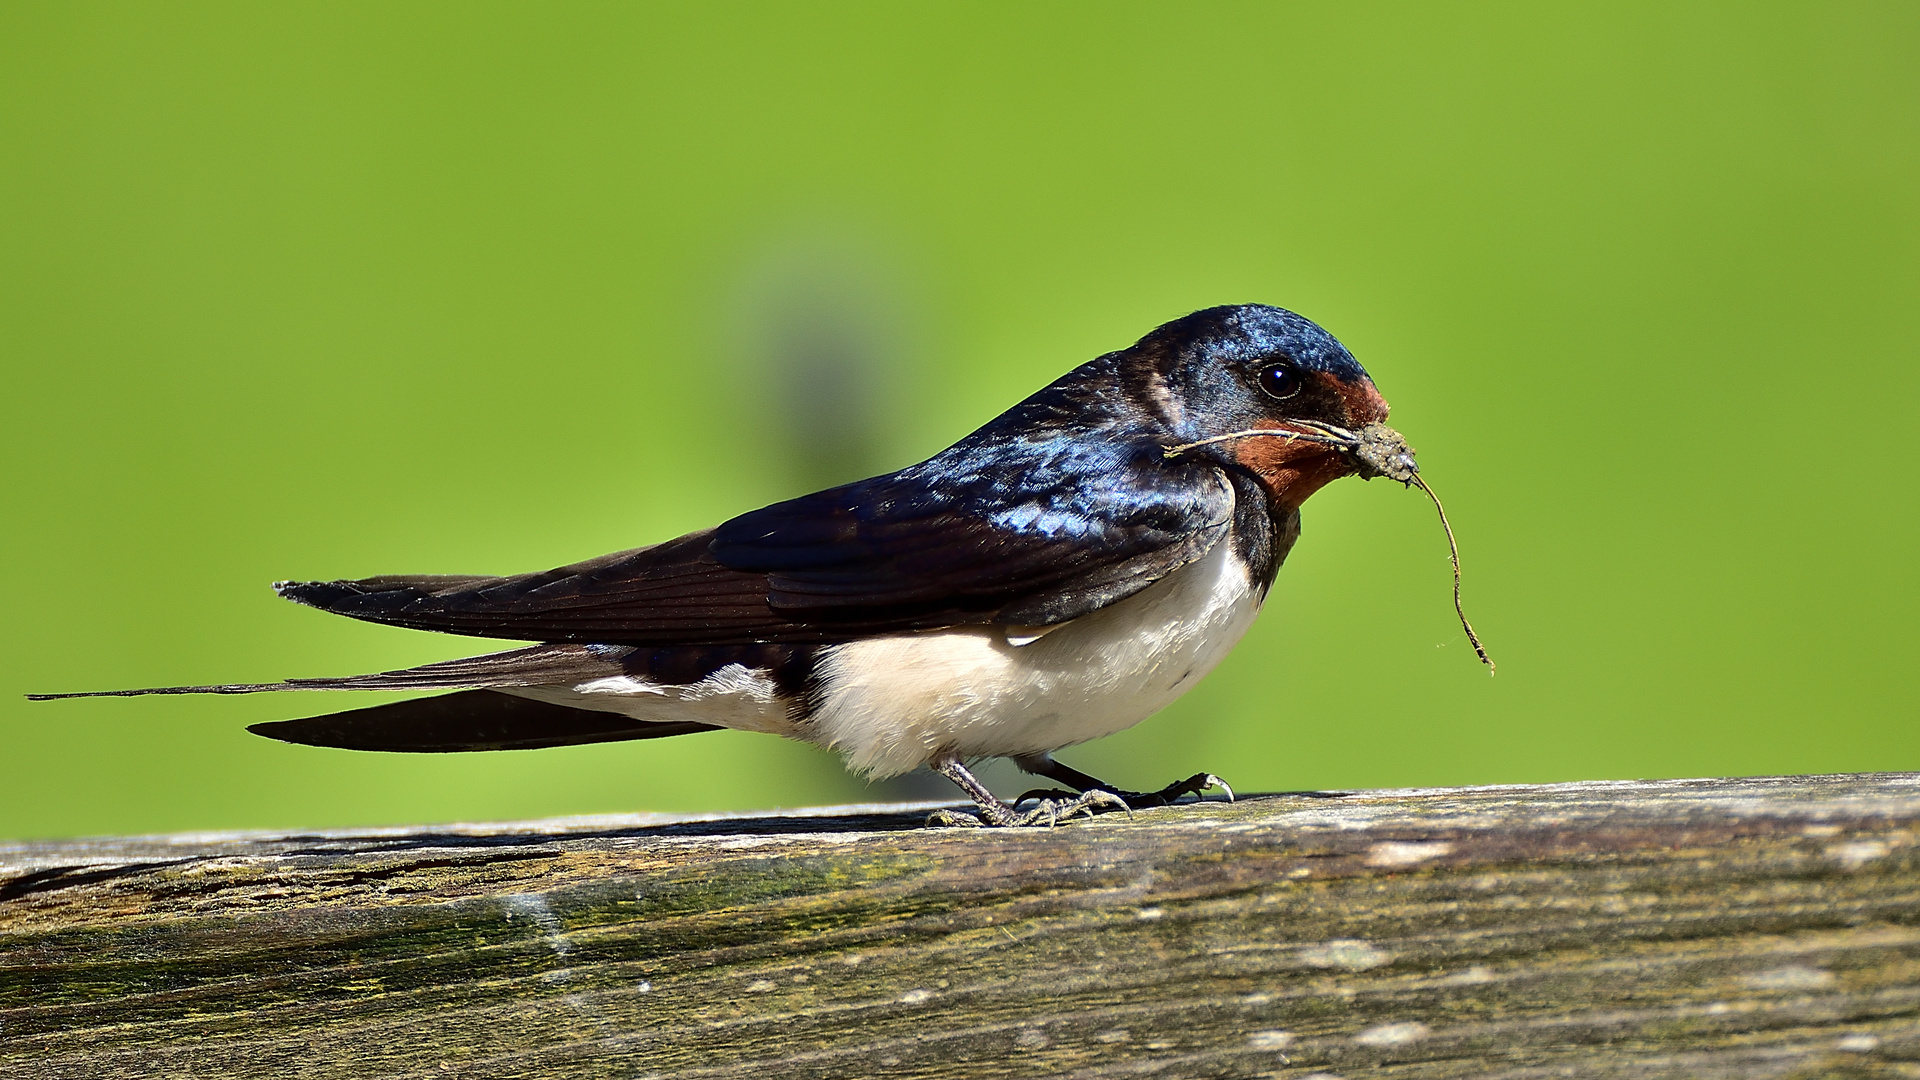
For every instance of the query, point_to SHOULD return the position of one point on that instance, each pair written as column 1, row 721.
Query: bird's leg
column 992, row 810
column 995, row 812
column 1044, row 765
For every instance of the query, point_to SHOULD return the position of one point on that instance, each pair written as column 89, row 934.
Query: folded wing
column 1032, row 534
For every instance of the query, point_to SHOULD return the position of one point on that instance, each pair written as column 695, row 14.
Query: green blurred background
column 335, row 290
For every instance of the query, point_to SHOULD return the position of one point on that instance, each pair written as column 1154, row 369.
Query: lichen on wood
column 1741, row 928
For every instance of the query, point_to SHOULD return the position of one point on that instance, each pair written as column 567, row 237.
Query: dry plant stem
column 1453, row 552
column 1302, row 436
column 1402, row 469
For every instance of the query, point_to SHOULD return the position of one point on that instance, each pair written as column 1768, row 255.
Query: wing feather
column 1036, row 531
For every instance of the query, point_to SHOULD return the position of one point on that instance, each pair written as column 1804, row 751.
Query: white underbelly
column 896, row 702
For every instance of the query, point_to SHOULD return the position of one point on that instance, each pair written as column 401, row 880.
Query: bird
column 1058, row 575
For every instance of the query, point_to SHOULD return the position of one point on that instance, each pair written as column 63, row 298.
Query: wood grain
column 1716, row 928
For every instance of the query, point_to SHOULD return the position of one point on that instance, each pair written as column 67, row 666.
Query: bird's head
column 1261, row 389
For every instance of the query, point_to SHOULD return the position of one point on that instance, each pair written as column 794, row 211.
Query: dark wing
column 669, row 594
column 1073, row 527
column 469, row 720
column 1021, row 530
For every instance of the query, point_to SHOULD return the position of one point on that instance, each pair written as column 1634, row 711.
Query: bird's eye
column 1278, row 381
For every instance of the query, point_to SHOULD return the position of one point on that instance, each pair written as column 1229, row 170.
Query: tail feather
column 217, row 688
column 536, row 665
column 468, row 720
column 485, row 713
column 366, row 597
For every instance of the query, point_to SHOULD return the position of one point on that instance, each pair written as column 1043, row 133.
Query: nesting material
column 1382, row 451
column 1378, row 450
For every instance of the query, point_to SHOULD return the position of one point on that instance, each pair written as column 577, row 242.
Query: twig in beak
column 1453, row 552
column 1334, row 437
column 1379, row 451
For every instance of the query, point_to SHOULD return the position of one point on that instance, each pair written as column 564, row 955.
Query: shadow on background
column 824, row 322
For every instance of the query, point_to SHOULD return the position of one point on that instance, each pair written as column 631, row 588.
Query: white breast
column 895, row 702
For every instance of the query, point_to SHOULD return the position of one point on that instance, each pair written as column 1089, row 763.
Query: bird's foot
column 1048, row 811
column 1142, row 800
column 1053, row 811
column 1196, row 785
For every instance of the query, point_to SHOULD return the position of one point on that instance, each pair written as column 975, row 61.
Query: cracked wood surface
column 1711, row 928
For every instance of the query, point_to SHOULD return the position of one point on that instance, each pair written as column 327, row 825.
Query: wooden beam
column 1711, row 928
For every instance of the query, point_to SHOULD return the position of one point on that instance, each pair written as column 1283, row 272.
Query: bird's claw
column 1195, row 785
column 1051, row 805
column 1041, row 793
column 1054, row 811
column 953, row 819
column 1049, row 812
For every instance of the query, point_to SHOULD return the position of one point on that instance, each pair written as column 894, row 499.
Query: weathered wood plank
column 1742, row 928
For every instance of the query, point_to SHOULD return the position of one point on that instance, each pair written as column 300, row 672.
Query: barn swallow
column 1059, row 575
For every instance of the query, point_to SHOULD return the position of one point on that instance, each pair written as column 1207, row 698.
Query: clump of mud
column 1382, row 451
